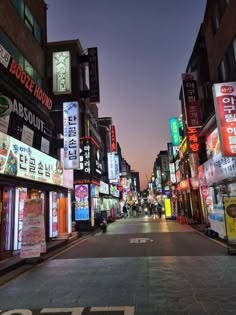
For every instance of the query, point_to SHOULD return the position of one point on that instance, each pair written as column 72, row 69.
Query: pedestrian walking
column 134, row 210
column 125, row 211
column 154, row 211
column 159, row 208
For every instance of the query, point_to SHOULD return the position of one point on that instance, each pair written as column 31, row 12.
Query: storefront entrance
column 6, row 221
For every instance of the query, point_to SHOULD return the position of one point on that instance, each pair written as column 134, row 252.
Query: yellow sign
column 168, row 211
column 230, row 218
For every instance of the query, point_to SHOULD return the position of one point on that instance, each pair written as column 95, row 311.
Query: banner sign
column 230, row 219
column 174, row 131
column 219, row 168
column 33, row 230
column 191, row 100
column 71, row 135
column 20, row 160
column 113, row 138
column 61, row 72
column 94, row 91
column 81, row 202
column 225, row 107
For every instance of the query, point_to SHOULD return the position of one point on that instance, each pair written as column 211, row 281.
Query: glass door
column 6, row 221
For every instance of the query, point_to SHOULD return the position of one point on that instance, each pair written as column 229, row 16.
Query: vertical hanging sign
column 113, row 138
column 225, row 107
column 61, row 68
column 191, row 100
column 71, row 135
column 174, row 131
column 93, row 75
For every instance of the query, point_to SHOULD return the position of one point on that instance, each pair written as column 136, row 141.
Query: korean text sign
column 225, row 107
column 191, row 100
column 71, row 135
column 20, row 160
column 174, row 131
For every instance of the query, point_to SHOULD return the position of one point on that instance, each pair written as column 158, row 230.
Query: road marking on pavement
column 139, row 240
column 127, row 310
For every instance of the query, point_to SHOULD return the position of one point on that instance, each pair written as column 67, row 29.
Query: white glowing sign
column 71, row 135
column 113, row 167
column 61, row 68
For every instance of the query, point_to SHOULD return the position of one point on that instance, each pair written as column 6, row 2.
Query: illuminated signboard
column 61, row 69
column 20, row 160
column 192, row 139
column 113, row 138
column 104, row 188
column 81, row 202
column 71, row 134
column 113, row 167
column 184, row 184
column 191, row 100
column 174, row 131
column 225, row 107
column 24, row 78
column 213, row 144
column 94, row 92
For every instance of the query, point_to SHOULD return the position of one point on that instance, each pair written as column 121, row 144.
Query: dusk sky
column 143, row 48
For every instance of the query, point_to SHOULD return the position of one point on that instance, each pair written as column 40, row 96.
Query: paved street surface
column 141, row 266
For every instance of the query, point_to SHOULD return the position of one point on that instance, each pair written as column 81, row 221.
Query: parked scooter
column 103, row 225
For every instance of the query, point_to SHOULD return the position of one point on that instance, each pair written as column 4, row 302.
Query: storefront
column 86, row 184
column 221, row 182
column 184, row 201
column 28, row 174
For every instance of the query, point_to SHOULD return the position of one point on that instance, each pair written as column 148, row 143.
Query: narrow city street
column 140, row 266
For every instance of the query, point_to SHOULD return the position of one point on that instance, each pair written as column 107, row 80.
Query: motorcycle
column 103, row 225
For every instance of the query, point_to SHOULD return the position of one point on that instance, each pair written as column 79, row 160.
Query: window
column 19, row 5
column 30, row 22
column 218, row 14
column 222, row 72
column 23, row 62
column 227, row 67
